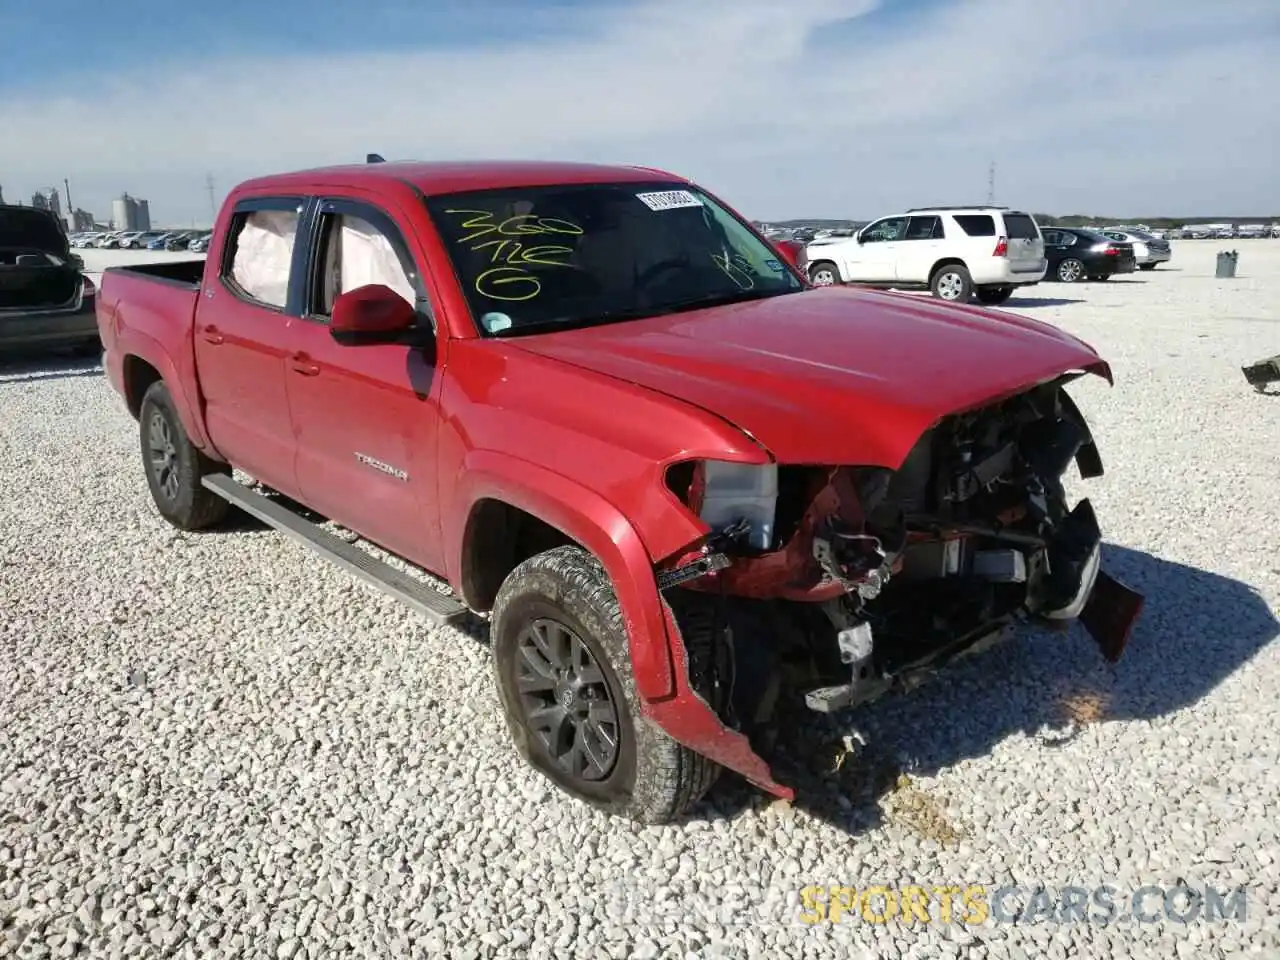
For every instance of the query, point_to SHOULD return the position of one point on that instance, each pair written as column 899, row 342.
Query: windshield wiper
column 639, row 313
column 718, row 300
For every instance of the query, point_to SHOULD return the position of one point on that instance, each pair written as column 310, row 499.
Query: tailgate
column 1026, row 246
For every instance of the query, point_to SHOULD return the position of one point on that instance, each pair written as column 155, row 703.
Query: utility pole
column 213, row 207
column 991, row 184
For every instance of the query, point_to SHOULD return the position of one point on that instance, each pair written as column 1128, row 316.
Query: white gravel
column 218, row 745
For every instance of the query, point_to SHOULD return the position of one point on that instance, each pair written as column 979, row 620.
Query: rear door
column 243, row 333
column 366, row 417
column 920, row 248
column 1026, row 247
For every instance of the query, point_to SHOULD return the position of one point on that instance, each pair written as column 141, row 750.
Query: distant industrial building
column 130, row 213
column 81, row 220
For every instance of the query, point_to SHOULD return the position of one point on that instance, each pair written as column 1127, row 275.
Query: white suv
column 955, row 252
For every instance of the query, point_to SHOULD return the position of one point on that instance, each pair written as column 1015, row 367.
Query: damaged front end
column 838, row 583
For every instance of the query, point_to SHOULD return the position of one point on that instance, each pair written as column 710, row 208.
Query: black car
column 45, row 298
column 1075, row 254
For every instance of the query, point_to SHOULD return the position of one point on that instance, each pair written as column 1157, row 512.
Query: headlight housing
column 722, row 493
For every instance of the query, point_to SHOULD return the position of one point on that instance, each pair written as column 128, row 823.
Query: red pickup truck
column 688, row 490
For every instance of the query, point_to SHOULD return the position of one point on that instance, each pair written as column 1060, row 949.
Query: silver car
column 1148, row 250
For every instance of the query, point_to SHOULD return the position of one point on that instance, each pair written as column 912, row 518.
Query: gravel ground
column 216, row 745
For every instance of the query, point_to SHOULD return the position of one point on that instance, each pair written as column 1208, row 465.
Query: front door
column 366, row 417
column 242, row 336
column 874, row 259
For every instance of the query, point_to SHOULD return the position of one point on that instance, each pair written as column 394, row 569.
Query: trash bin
column 1227, row 263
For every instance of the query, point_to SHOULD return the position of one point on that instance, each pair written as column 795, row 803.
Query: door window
column 356, row 250
column 924, row 228
column 886, row 230
column 259, row 253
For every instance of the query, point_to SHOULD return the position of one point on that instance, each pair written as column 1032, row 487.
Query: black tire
column 827, row 268
column 951, row 282
column 1146, row 266
column 651, row 778
column 1070, row 270
column 1099, row 277
column 994, row 295
column 175, row 483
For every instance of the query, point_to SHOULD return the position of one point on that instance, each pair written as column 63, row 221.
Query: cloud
column 809, row 108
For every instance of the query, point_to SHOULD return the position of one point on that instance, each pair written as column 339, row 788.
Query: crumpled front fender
column 689, row 720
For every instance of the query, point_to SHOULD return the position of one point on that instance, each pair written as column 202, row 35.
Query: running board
column 427, row 601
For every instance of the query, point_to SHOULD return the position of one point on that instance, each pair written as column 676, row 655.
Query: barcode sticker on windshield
column 668, row 199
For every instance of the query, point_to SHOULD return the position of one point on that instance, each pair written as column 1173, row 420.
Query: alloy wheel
column 566, row 700
column 950, row 286
column 163, row 455
column 1069, row 271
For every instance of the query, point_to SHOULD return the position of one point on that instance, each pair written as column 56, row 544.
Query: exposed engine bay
column 840, row 582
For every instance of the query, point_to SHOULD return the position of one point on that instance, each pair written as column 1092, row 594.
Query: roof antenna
column 374, row 158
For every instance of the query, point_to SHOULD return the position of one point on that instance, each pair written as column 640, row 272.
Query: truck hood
column 831, row 375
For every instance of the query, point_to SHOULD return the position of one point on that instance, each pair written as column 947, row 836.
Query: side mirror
column 370, row 314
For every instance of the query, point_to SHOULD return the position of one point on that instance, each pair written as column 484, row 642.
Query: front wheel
column 994, row 295
column 951, row 282
column 563, row 670
column 175, row 466
column 824, row 273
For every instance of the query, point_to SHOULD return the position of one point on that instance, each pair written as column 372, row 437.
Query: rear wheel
column 563, row 670
column 824, row 273
column 1146, row 266
column 1070, row 270
column 951, row 282
column 175, row 466
column 994, row 295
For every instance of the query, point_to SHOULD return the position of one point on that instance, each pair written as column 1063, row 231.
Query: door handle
column 212, row 335
column 301, row 363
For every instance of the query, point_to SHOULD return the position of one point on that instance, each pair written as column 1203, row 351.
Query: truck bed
column 184, row 273
column 148, row 312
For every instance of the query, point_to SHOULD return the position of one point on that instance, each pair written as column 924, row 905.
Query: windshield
column 534, row 259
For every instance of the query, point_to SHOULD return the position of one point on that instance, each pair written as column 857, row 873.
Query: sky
column 784, row 108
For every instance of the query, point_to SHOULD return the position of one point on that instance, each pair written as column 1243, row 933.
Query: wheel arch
column 945, row 262
column 546, row 507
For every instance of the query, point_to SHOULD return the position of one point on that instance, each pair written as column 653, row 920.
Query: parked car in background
column 201, row 243
column 45, row 298
column 1076, row 254
column 179, row 241
column 138, row 240
column 684, row 485
column 1149, row 251
column 954, row 252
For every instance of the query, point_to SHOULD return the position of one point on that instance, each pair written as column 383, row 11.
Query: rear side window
column 1019, row 226
column 259, row 254
column 977, row 224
